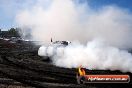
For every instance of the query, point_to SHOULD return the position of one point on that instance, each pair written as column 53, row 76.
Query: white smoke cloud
column 95, row 55
column 67, row 20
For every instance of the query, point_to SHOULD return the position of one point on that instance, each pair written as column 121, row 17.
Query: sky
column 10, row 8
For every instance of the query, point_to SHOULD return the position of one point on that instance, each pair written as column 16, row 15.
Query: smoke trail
column 68, row 20
column 95, row 55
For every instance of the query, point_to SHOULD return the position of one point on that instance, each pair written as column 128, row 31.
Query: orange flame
column 81, row 71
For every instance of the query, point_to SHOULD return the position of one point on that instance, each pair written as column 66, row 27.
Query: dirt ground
column 21, row 67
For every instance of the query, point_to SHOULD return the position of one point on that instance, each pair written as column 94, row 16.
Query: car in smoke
column 55, row 48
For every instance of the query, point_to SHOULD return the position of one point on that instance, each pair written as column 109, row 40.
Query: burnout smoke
column 70, row 20
column 95, row 55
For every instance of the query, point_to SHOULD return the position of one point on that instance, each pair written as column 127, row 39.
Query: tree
column 14, row 32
